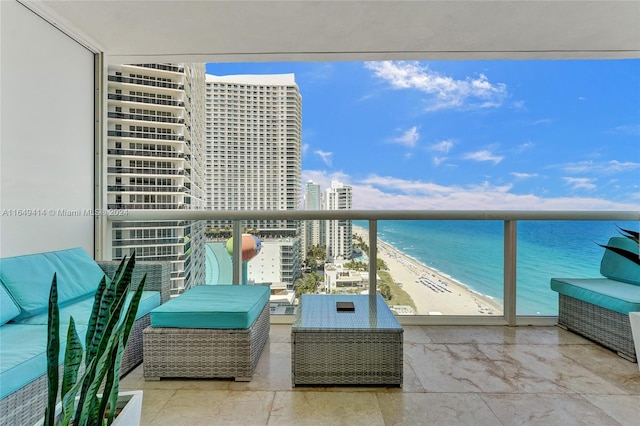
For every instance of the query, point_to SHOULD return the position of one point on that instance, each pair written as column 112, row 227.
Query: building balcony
column 143, row 135
column 453, row 375
column 144, row 100
column 132, row 188
column 145, row 82
column 145, row 171
column 146, row 206
column 146, row 153
column 163, row 67
column 141, row 117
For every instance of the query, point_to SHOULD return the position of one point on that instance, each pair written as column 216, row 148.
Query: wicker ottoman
column 208, row 332
column 362, row 347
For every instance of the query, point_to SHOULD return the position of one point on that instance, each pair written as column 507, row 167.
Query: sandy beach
column 432, row 292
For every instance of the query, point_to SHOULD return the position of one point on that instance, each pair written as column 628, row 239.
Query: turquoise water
column 219, row 268
column 472, row 253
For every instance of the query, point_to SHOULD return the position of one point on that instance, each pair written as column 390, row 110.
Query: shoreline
column 432, row 292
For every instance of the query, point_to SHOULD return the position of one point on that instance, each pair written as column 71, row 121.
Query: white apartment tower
column 254, row 157
column 156, row 160
column 313, row 229
column 339, row 237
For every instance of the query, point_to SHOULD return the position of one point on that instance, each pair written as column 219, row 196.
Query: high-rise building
column 313, row 229
column 254, row 162
column 156, row 160
column 339, row 237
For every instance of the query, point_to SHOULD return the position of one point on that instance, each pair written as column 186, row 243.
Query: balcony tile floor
column 453, row 375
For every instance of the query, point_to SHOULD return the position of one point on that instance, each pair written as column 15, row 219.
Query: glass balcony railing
column 435, row 266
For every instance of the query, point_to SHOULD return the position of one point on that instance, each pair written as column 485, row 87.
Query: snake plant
column 94, row 369
column 632, row 235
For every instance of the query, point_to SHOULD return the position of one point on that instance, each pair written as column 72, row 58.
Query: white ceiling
column 307, row 30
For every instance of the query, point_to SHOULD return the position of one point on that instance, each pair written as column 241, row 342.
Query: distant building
column 339, row 233
column 155, row 160
column 314, row 230
column 254, row 161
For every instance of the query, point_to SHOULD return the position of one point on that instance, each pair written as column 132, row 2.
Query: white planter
column 634, row 319
column 131, row 404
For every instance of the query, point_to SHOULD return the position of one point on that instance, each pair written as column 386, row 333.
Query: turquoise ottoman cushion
column 28, row 278
column 609, row 294
column 213, row 306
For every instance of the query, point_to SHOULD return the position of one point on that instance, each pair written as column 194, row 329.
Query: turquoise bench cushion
column 8, row 308
column 213, row 306
column 609, row 294
column 81, row 310
column 28, row 278
column 24, row 354
column 617, row 267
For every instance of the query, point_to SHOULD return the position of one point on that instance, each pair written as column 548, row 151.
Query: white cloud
column 305, row 148
column 613, row 166
column 578, row 167
column 390, row 193
column 524, row 175
column 442, row 146
column 325, row 156
column 524, row 147
column 580, row 183
column 409, row 138
column 444, row 92
column 484, row 155
column 439, row 160
column 631, row 129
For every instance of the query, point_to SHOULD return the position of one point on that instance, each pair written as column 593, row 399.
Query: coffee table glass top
column 318, row 311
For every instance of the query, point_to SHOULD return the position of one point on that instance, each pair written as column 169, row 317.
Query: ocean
column 471, row 252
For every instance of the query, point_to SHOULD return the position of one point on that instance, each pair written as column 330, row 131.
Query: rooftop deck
column 480, row 375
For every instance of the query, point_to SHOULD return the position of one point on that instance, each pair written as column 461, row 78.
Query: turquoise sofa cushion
column 8, row 308
column 28, row 278
column 609, row 294
column 213, row 306
column 81, row 309
column 24, row 354
column 617, row 267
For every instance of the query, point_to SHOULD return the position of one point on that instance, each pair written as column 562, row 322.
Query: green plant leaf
column 93, row 327
column 127, row 325
column 72, row 362
column 633, row 235
column 72, row 358
column 625, row 253
column 53, row 351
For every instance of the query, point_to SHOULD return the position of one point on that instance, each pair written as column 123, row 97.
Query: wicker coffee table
column 359, row 347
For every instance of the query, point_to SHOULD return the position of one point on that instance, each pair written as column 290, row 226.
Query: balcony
column 475, row 374
column 452, row 375
column 144, row 100
column 142, row 135
column 145, row 117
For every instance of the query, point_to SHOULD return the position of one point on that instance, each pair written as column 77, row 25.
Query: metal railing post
column 236, row 260
column 373, row 258
column 510, row 243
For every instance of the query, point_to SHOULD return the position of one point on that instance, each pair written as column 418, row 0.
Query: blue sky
column 530, row 135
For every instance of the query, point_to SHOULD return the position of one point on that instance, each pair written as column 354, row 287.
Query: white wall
column 46, row 136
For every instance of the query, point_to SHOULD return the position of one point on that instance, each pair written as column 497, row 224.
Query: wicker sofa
column 24, row 292
column 598, row 308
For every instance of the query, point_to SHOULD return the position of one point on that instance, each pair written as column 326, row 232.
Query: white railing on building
column 509, row 217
